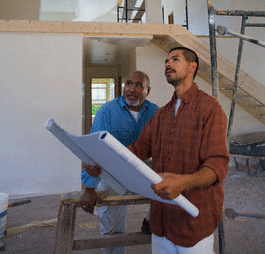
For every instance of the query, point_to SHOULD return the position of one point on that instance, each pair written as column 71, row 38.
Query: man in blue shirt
column 123, row 117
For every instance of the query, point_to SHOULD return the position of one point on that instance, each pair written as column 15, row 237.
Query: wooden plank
column 251, row 86
column 73, row 198
column 34, row 224
column 124, row 200
column 111, row 241
column 93, row 28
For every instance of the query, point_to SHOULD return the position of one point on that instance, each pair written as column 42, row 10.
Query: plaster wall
column 40, row 78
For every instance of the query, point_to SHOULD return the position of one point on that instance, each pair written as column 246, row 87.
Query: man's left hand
column 171, row 186
column 89, row 199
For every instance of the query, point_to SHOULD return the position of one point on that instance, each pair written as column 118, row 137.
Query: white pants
column 112, row 220
column 161, row 245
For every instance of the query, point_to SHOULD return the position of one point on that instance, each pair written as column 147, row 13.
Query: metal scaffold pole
column 233, row 103
column 215, row 93
column 211, row 20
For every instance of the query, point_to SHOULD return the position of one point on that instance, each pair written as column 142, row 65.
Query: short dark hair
column 189, row 55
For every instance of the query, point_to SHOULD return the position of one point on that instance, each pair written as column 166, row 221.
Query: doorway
column 101, row 84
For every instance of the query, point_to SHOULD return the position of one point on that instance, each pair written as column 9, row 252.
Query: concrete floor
column 243, row 193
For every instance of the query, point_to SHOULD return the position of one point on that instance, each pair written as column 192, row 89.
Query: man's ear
column 148, row 90
column 193, row 66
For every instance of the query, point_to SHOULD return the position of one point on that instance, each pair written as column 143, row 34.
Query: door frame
column 96, row 71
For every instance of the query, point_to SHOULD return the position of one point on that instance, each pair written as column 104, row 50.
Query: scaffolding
column 125, row 14
column 214, row 72
column 212, row 35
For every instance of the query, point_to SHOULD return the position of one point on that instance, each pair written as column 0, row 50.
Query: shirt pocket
column 190, row 134
column 124, row 136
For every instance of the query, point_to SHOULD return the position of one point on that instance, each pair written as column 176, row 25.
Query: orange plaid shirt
column 182, row 144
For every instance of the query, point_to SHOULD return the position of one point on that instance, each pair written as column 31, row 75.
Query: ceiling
column 96, row 50
column 111, row 50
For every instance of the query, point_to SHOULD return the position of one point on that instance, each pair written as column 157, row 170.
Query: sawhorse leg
column 65, row 228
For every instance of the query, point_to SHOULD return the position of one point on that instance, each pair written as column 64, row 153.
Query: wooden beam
column 111, row 241
column 90, row 28
column 107, row 198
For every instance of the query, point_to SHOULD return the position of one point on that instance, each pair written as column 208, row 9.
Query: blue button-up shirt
column 115, row 117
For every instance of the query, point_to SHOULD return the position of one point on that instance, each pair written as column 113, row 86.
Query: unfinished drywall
column 40, row 78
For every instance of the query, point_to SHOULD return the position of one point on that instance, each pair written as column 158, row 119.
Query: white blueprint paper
column 121, row 167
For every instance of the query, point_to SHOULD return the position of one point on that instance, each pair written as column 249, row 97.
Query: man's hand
column 93, row 171
column 171, row 186
column 89, row 199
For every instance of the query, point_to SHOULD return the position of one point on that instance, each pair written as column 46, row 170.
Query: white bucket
column 3, row 212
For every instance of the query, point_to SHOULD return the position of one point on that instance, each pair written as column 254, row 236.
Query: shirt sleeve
column 214, row 152
column 88, row 180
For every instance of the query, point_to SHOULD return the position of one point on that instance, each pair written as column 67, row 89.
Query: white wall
column 40, row 78
column 150, row 59
column 97, row 10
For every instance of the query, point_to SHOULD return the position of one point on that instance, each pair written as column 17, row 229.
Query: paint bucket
column 3, row 212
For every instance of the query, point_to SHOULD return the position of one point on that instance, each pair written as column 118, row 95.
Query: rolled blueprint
column 67, row 140
column 121, row 164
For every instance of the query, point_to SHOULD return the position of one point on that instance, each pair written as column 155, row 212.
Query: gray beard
column 132, row 104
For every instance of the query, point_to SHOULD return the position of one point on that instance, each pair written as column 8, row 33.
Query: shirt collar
column 188, row 95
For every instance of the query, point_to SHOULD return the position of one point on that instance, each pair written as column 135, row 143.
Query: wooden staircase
column 251, row 94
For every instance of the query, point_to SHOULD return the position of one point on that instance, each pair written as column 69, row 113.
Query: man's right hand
column 89, row 199
column 93, row 171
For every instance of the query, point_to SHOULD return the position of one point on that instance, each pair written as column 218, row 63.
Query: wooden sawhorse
column 65, row 243
column 261, row 162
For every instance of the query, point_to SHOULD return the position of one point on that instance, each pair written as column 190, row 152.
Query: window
column 103, row 90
